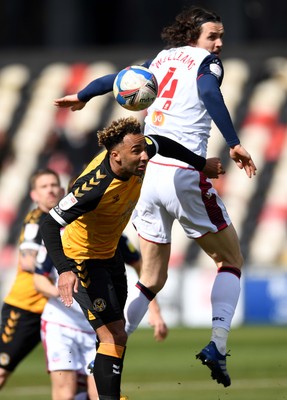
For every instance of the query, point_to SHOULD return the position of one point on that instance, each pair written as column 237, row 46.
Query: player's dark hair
column 186, row 28
column 115, row 133
column 41, row 172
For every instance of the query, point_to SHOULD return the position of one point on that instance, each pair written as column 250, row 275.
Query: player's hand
column 213, row 168
column 70, row 101
column 160, row 330
column 156, row 321
column 67, row 284
column 243, row 160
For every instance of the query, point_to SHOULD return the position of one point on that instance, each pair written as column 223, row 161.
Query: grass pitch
column 169, row 370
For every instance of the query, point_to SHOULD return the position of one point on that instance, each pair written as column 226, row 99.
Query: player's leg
column 91, row 388
column 153, row 222
column 63, row 358
column 223, row 247
column 153, row 276
column 108, row 363
column 102, row 302
column 19, row 335
column 204, row 218
column 64, row 384
column 86, row 345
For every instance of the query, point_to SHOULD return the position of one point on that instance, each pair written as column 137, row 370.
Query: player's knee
column 120, row 338
column 117, row 336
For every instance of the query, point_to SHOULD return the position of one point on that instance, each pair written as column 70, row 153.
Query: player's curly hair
column 115, row 133
column 186, row 28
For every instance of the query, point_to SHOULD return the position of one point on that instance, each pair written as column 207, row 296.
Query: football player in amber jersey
column 23, row 305
column 94, row 215
column 68, row 339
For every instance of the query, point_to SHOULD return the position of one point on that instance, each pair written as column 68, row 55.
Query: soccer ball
column 135, row 88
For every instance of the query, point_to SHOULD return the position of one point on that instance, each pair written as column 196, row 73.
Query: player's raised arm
column 70, row 101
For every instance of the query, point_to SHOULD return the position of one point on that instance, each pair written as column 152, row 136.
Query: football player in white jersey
column 189, row 73
column 68, row 338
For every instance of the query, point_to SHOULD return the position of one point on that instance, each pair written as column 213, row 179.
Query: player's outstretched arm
column 243, row 160
column 70, row 101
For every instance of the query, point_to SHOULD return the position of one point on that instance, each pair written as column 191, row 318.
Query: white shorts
column 170, row 193
column 67, row 348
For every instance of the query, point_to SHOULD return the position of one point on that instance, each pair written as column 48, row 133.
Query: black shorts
column 102, row 291
column 20, row 334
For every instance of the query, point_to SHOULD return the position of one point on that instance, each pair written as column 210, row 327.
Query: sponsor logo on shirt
column 157, row 118
column 68, row 201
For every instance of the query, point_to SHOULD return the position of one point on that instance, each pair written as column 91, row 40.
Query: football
column 135, row 88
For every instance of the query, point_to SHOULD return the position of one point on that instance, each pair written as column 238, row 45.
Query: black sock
column 107, row 374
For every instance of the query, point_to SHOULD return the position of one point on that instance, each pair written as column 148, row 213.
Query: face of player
column 130, row 157
column 211, row 37
column 47, row 192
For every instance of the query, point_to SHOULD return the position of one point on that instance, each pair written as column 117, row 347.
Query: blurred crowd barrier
column 34, row 133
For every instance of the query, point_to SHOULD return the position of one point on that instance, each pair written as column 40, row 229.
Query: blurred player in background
column 69, row 340
column 94, row 213
column 22, row 307
column 189, row 73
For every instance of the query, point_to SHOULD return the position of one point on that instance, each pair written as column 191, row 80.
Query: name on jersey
column 181, row 56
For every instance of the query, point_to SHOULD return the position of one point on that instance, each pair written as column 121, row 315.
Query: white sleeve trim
column 154, row 142
column 57, row 217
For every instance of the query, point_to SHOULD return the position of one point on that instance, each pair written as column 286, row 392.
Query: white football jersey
column 178, row 112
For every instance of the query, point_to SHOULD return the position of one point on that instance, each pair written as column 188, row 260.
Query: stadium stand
column 34, row 133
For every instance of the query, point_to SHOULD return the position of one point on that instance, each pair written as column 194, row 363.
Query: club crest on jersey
column 68, row 202
column 4, row 359
column 100, row 305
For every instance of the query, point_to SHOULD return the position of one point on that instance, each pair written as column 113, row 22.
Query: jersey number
column 167, row 87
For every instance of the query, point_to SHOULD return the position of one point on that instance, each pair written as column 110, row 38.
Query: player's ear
column 115, row 154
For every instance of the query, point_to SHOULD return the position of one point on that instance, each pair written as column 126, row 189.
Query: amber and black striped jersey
column 97, row 209
column 22, row 293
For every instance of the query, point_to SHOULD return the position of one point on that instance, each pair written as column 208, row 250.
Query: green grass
column 169, row 370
